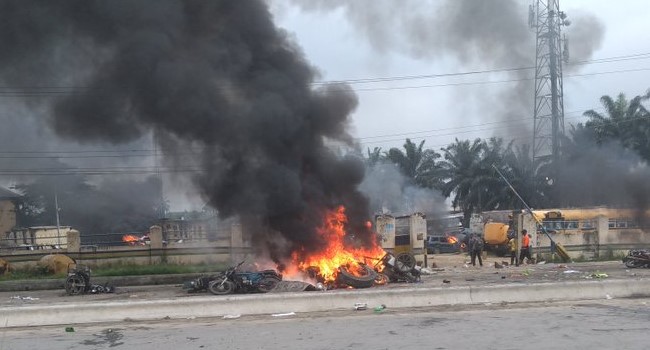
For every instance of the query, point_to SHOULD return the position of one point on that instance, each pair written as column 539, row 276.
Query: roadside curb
column 274, row 303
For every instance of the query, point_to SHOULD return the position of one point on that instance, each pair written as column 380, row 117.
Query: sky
column 384, row 118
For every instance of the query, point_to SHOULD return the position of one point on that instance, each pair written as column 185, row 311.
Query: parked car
column 442, row 244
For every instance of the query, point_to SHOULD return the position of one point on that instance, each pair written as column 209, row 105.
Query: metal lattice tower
column 546, row 19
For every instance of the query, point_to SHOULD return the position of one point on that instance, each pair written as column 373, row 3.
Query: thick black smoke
column 216, row 75
column 485, row 34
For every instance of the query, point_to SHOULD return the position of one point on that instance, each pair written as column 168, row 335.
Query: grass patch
column 28, row 273
column 159, row 269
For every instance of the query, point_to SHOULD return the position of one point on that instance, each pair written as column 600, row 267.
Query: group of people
column 524, row 253
column 475, row 246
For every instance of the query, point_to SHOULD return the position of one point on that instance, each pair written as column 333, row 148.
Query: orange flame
column 130, row 239
column 336, row 253
column 452, row 239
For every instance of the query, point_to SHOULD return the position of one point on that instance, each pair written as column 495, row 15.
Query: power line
column 84, row 154
column 497, row 70
column 32, row 91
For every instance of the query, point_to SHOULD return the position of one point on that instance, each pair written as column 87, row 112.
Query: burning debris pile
column 342, row 262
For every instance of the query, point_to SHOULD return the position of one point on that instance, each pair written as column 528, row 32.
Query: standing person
column 525, row 247
column 475, row 249
column 512, row 243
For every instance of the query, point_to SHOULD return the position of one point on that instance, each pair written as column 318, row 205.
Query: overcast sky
column 360, row 39
column 384, row 118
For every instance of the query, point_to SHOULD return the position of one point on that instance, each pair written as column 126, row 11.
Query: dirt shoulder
column 452, row 270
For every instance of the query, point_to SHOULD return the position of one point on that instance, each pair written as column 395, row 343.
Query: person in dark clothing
column 476, row 249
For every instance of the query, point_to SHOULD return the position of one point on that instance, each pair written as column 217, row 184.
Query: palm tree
column 530, row 182
column 375, row 156
column 625, row 121
column 417, row 164
column 462, row 167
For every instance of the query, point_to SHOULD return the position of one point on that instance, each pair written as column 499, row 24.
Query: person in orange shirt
column 525, row 247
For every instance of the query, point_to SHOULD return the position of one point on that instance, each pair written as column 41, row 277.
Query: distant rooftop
column 7, row 194
column 190, row 215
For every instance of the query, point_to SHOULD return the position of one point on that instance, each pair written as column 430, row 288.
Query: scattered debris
column 561, row 266
column 497, row 265
column 505, row 263
column 24, row 298
column 69, row 329
column 360, row 306
column 571, row 271
column 470, row 279
column 284, row 314
column 599, row 274
column 230, row 317
column 526, row 272
column 428, row 271
column 608, row 297
column 541, row 262
column 446, row 281
column 503, row 277
column 380, row 308
column 296, row 286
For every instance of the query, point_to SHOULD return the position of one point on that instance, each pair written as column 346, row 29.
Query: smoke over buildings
column 478, row 35
column 390, row 192
column 217, row 76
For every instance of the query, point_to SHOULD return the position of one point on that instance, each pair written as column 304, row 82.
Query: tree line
column 602, row 162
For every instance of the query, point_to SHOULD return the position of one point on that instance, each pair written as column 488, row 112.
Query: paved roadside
column 451, row 285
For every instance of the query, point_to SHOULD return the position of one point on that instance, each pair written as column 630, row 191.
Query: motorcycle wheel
column 267, row 284
column 75, row 285
column 217, row 288
column 632, row 263
column 405, row 262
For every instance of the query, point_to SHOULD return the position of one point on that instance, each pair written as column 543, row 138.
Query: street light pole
column 58, row 224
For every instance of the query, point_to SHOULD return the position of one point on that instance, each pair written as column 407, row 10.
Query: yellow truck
column 496, row 237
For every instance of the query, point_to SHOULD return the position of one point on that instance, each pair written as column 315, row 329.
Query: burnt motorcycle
column 78, row 282
column 400, row 268
column 233, row 281
column 637, row 258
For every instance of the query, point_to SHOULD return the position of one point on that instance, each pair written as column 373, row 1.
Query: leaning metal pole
column 554, row 245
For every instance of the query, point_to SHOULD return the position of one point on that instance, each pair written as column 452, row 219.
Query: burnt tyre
column 381, row 279
column 221, row 287
column 75, row 284
column 633, row 263
column 364, row 278
column 405, row 262
column 267, row 284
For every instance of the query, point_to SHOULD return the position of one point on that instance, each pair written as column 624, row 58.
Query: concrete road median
column 215, row 306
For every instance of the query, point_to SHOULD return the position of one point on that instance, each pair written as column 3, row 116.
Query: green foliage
column 417, row 164
column 466, row 173
column 33, row 272
column 158, row 269
column 626, row 122
column 29, row 272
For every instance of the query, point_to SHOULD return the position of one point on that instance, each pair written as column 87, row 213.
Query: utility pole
column 58, row 223
column 547, row 20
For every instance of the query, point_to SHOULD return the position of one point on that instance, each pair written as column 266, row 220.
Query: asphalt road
column 603, row 324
